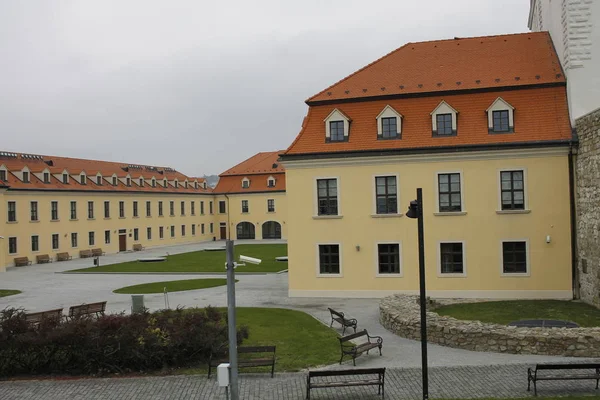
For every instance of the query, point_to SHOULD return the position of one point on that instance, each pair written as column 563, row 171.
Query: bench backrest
column 85, row 309
column 137, row 246
column 38, row 316
column 97, row 252
column 43, row 257
column 568, row 366
column 62, row 255
column 85, row 252
column 353, row 336
column 246, row 350
column 21, row 259
column 357, row 371
column 336, row 313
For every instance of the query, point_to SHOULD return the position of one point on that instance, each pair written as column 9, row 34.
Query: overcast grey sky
column 198, row 85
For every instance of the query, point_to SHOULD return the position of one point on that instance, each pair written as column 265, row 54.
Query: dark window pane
column 329, row 259
column 451, row 258
column 500, row 121
column 444, row 124
column 386, row 195
column 336, row 131
column 389, row 127
column 327, row 197
column 512, row 190
column 449, row 192
column 389, row 258
column 514, row 257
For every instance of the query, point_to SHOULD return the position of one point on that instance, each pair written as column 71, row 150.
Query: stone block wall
column 401, row 315
column 588, row 207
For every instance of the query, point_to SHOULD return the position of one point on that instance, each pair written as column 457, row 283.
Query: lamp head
column 250, row 260
column 413, row 210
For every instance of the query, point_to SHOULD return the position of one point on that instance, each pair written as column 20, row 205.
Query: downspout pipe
column 573, row 220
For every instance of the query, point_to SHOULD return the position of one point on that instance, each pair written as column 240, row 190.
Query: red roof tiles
column 257, row 169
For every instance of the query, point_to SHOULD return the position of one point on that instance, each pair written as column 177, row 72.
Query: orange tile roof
column 260, row 163
column 541, row 114
column 257, row 169
column 457, row 64
column 56, row 165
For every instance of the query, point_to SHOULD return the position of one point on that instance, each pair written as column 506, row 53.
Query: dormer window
column 443, row 120
column 153, row 182
column 65, row 179
column 195, row 185
column 337, row 127
column 25, row 177
column 271, row 182
column 3, row 175
column 389, row 124
column 128, row 180
column 142, row 182
column 114, row 181
column 185, row 184
column 46, row 177
column 245, row 183
column 500, row 117
column 99, row 180
column 83, row 179
column 176, row 185
column 204, row 185
column 165, row 182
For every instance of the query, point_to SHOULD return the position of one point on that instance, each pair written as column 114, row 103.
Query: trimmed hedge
column 115, row 343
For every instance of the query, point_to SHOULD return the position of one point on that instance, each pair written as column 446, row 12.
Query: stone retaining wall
column 401, row 315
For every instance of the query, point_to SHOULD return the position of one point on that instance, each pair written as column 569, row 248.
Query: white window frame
column 527, row 259
column 374, row 196
column 318, row 261
column 245, row 180
column 499, row 209
column 389, row 112
column 98, row 175
column 444, row 108
column 500, row 105
column 376, row 251
column 337, row 115
column 269, row 179
column 463, row 210
column 316, row 199
column 440, row 274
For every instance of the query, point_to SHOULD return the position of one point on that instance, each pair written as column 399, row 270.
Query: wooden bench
column 377, row 378
column 138, row 247
column 22, row 261
column 354, row 350
column 63, row 257
column 85, row 253
column 588, row 371
column 337, row 316
column 247, row 357
column 37, row 317
column 97, row 252
column 43, row 259
column 87, row 310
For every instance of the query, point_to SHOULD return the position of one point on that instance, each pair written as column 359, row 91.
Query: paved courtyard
column 468, row 374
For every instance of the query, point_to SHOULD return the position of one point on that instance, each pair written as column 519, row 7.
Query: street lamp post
column 233, row 362
column 415, row 211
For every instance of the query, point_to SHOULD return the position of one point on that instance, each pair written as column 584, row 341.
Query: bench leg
column 273, row 369
column 534, row 388
column 597, row 383
column 354, row 360
column 344, row 329
column 380, row 351
column 308, row 388
column 209, row 371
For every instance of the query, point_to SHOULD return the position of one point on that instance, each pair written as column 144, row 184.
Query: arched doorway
column 245, row 230
column 271, row 230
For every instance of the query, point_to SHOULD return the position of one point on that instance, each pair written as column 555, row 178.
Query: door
column 123, row 242
column 223, row 228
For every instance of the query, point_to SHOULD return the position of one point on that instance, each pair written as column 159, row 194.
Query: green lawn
column 8, row 292
column 503, row 312
column 301, row 340
column 172, row 286
column 205, row 261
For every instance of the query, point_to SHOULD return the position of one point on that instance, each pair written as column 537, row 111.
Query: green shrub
column 112, row 343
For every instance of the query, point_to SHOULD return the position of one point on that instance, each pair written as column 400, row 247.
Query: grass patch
column 7, row 292
column 301, row 340
column 503, row 312
column 172, row 286
column 205, row 261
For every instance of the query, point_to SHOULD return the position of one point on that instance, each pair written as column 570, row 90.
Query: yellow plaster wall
column 481, row 228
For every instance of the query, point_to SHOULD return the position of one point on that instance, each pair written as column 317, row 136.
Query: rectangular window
column 46, row 177
column 202, row 229
column 161, row 232
column 114, row 181
column 136, row 234
column 270, row 205
column 212, row 228
column 107, row 237
column 91, row 238
column 388, row 256
column 12, row 245
column 65, row 179
column 327, row 196
column 512, row 190
column 25, row 177
column 500, row 121
column 99, row 180
column 514, row 257
column 389, row 128
column 35, row 243
column 34, row 210
column 54, row 210
column 336, row 131
column 148, row 209
column 444, row 124
column 107, row 209
column 172, row 231
column 90, row 210
column 182, row 230
column 386, row 192
column 192, row 207
column 83, row 179
column 210, row 207
column 449, row 192
column 244, row 206
column 172, row 208
column 135, row 209
column 451, row 258
column 73, row 210
column 2, row 175
column 183, row 208
column 201, row 208
column 149, row 233
column 222, row 209
column 12, row 211
column 193, row 229
column 55, row 241
column 329, row 259
column 74, row 239
column 160, row 209
column 121, row 209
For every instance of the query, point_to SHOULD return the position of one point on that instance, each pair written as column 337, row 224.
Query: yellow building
column 482, row 126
